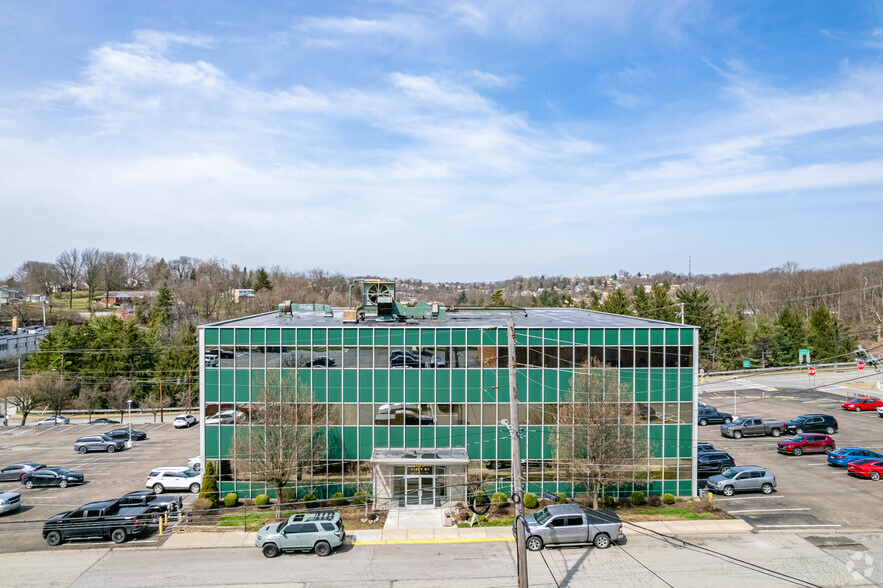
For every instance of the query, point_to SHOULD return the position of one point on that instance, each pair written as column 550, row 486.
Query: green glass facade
column 454, row 399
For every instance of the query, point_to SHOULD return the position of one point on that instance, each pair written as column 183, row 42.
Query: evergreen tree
column 641, row 303
column 209, row 487
column 790, row 336
column 616, row 303
column 498, row 298
column 698, row 311
column 161, row 310
column 262, row 280
column 461, row 298
column 179, row 363
column 663, row 309
column 732, row 342
column 827, row 337
column 763, row 341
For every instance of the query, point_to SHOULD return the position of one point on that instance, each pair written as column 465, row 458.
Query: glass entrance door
column 412, row 491
column 427, row 491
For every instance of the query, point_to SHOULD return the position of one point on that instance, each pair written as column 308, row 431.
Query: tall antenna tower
column 690, row 267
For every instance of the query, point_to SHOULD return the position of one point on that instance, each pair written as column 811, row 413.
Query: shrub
column 261, row 500
column 286, row 495
column 360, row 497
column 638, row 498
column 499, row 498
column 531, row 500
column 654, row 500
column 310, row 500
column 201, row 504
column 561, row 497
column 668, row 498
column 231, row 499
column 609, row 501
column 623, row 502
column 338, row 499
column 209, row 487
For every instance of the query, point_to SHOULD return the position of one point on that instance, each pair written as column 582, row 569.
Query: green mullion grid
column 503, row 385
column 642, row 337
column 627, row 337
column 350, row 385
column 473, row 441
column 334, row 379
column 336, row 337
column 596, row 337
column 381, row 436
column 397, row 436
column 443, row 386
column 366, row 385
column 427, row 337
column 473, row 385
column 274, row 337
column 657, row 384
column 685, row 386
column 242, row 336
column 488, row 383
column 396, row 385
column 550, row 385
column 443, row 337
column 228, row 390
column 427, row 437
column 381, row 385
column 443, row 436
column 243, row 379
column 504, row 443
column 685, row 446
column 671, row 384
column 671, row 336
column 412, row 436
column 258, row 337
column 686, row 336
column 366, row 442
column 366, row 337
column 657, row 336
column 611, row 337
column 670, row 441
column 642, row 384
column 227, row 337
column 427, row 385
column 211, row 337
column 412, row 385
column 212, row 442
column 412, row 337
column 488, row 442
column 288, row 338
column 458, row 385
column 212, row 385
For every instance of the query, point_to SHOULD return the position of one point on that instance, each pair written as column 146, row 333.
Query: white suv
column 174, row 478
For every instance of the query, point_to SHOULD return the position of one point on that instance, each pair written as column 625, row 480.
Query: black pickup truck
column 101, row 520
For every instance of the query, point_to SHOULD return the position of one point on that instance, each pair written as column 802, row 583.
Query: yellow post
column 160, row 525
column 179, row 515
column 166, row 514
column 709, row 497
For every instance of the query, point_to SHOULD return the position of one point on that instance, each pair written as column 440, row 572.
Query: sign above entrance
column 419, row 470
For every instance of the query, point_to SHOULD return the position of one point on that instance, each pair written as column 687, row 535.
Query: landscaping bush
column 668, row 498
column 499, row 501
column 360, row 497
column 261, row 500
column 623, row 502
column 209, row 488
column 231, row 500
column 287, row 495
column 201, row 504
column 609, row 501
column 338, row 499
column 638, row 498
column 561, row 497
column 310, row 500
column 531, row 500
column 654, row 500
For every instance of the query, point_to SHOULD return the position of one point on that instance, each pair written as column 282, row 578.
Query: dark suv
column 98, row 443
column 713, row 462
column 812, row 423
column 711, row 415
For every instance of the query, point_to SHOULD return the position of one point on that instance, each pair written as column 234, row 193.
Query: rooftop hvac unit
column 377, row 292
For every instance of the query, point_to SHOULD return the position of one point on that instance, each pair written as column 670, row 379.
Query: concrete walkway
column 213, row 539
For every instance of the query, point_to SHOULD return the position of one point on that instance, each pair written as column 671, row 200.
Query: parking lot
column 108, row 475
column 810, row 493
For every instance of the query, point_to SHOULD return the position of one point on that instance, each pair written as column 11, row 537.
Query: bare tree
column 600, row 438
column 118, row 395
column 113, row 266
column 286, row 439
column 135, row 269
column 55, row 392
column 24, row 395
column 89, row 399
column 156, row 403
column 91, row 272
column 70, row 267
column 38, row 277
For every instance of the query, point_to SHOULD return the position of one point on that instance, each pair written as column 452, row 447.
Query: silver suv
column 98, row 443
column 742, row 479
column 317, row 531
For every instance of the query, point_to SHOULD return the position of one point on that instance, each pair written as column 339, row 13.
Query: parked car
column 880, row 411
column 123, row 434
column 105, row 520
column 742, row 479
column 211, row 360
column 807, row 443
column 152, row 501
column 54, row 420
column 98, row 443
column 703, row 405
column 9, row 501
column 321, row 361
column 316, row 531
column 752, row 426
column 404, row 358
column 195, row 463
column 860, row 404
column 713, row 462
column 704, row 446
column 707, row 416
column 174, row 478
column 225, row 417
column 812, row 423
column 52, row 477
column 866, row 468
column 17, row 470
column 183, row 421
column 103, row 421
column 571, row 524
column 846, row 455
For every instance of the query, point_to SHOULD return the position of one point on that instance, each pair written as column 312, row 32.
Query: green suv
column 315, row 531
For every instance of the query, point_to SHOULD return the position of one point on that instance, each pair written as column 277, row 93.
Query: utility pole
column 160, row 403
column 682, row 312
column 517, row 490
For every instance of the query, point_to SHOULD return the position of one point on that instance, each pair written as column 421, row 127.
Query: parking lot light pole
column 129, row 402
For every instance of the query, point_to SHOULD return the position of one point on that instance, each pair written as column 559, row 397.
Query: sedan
column 846, row 455
column 124, row 434
column 17, row 470
column 183, row 421
column 56, row 420
column 321, row 361
column 860, row 404
column 866, row 468
column 712, row 416
column 104, row 422
column 9, row 501
column 52, row 477
column 806, row 443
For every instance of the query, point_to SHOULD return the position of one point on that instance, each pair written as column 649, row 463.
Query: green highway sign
column 802, row 352
column 746, row 364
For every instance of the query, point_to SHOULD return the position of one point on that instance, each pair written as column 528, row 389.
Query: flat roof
column 531, row 317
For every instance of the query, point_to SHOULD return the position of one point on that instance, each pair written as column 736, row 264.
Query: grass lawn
column 251, row 520
column 674, row 512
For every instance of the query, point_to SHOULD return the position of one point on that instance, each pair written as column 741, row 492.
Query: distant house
column 127, row 297
column 8, row 294
column 242, row 293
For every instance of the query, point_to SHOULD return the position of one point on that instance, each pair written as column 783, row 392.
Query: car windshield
column 543, row 516
column 800, row 437
column 729, row 473
column 106, row 438
column 739, row 422
column 279, row 527
column 799, row 419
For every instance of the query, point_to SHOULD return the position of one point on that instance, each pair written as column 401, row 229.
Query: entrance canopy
column 447, row 456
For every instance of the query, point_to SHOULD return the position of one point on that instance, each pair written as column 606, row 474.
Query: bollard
column 167, row 518
column 710, row 494
column 179, row 515
column 160, row 525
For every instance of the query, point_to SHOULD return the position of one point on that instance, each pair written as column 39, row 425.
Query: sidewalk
column 206, row 540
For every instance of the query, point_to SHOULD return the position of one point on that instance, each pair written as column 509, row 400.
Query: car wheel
column 798, row 430
column 62, row 484
column 767, row 488
column 828, row 449
column 703, row 422
column 53, row 538
column 29, row 484
column 118, row 535
column 727, row 420
column 270, row 550
column 323, row 549
column 82, row 450
column 798, row 451
column 602, row 541
column 534, row 543
column 775, row 432
column 858, row 409
column 194, row 488
column 111, row 448
column 875, row 476
column 830, row 430
column 728, row 490
column 737, row 435
column 157, row 488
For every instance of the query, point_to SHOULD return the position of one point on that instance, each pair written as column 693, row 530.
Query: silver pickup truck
column 752, row 427
column 571, row 524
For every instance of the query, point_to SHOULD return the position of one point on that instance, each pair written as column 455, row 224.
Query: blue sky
column 445, row 140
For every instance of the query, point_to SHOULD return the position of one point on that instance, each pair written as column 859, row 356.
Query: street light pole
column 129, row 402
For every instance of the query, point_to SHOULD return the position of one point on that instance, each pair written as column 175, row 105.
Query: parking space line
column 765, row 510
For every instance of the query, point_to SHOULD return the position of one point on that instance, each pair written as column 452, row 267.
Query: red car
column 866, row 468
column 806, row 443
column 860, row 404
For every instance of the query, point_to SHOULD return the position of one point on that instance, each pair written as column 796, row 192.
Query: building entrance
column 419, row 491
column 419, row 479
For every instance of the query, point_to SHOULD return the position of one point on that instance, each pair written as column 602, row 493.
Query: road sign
column 746, row 364
column 812, row 371
column 861, row 365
